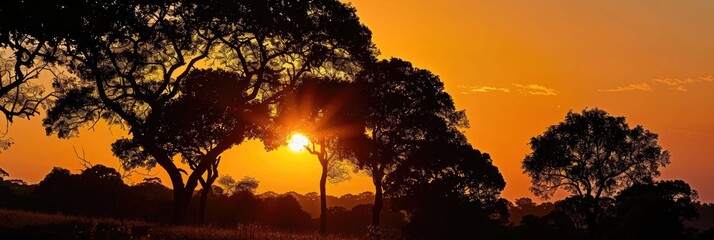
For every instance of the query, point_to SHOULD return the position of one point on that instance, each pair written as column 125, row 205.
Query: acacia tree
column 403, row 106
column 131, row 58
column 327, row 111
column 592, row 155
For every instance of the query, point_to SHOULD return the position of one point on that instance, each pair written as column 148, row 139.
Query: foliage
column 593, row 154
column 135, row 65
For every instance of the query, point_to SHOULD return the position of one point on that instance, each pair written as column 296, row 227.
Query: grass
column 16, row 224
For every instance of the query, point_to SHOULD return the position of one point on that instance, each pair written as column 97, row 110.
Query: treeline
column 649, row 217
column 99, row 191
column 644, row 211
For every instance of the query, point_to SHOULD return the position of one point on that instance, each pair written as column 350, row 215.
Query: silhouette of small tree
column 592, row 155
column 246, row 184
column 328, row 113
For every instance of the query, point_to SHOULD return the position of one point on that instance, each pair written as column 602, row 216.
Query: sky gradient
column 515, row 66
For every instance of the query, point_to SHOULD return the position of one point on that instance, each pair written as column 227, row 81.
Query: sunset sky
column 515, row 66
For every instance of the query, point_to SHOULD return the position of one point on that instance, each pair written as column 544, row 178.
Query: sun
column 298, row 142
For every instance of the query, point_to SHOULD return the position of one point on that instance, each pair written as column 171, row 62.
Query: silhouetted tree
column 654, row 210
column 523, row 207
column 448, row 190
column 23, row 57
column 592, row 155
column 283, row 212
column 231, row 186
column 132, row 57
column 247, row 184
column 402, row 105
column 327, row 112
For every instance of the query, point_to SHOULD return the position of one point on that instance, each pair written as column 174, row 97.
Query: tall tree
column 132, row 57
column 403, row 106
column 592, row 155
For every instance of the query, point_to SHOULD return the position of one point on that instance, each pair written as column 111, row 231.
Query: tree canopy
column 593, row 154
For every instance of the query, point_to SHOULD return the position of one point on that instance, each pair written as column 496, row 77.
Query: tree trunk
column 181, row 202
column 593, row 226
column 202, row 205
column 323, row 198
column 378, row 200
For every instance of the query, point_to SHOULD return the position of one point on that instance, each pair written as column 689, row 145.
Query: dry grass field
column 29, row 225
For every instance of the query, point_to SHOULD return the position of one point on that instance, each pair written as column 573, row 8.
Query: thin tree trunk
column 593, row 226
column 378, row 200
column 323, row 198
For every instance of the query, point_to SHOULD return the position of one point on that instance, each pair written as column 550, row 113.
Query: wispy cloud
column 676, row 84
column 535, row 89
column 529, row 89
column 635, row 87
column 680, row 84
column 482, row 89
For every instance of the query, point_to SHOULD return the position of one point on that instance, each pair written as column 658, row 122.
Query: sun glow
column 298, row 142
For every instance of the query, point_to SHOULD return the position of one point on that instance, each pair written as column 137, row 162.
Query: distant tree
column 654, row 210
column 283, row 212
column 103, row 187
column 132, row 57
column 228, row 183
column 525, row 206
column 246, row 184
column 404, row 106
column 327, row 112
column 3, row 174
column 592, row 155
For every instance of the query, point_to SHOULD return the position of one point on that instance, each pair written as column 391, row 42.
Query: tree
column 23, row 58
column 246, row 184
column 592, row 155
column 448, row 190
column 404, row 105
column 327, row 112
column 654, row 210
column 132, row 57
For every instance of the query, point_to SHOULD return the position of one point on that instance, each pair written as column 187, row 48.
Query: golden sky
column 516, row 67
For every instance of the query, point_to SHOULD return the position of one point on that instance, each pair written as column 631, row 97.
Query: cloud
column 676, row 84
column 634, row 87
column 536, row 89
column 679, row 84
column 482, row 89
column 530, row 89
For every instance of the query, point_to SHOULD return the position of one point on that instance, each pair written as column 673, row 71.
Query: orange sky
column 516, row 67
